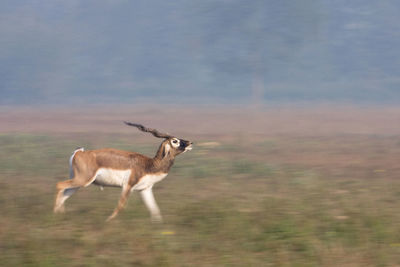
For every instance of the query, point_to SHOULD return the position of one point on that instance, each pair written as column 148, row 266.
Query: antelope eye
column 175, row 141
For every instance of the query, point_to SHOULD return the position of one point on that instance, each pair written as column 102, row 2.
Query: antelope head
column 172, row 145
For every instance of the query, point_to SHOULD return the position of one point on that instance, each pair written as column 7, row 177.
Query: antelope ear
column 166, row 150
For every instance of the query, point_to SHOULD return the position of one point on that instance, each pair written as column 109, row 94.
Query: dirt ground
column 321, row 120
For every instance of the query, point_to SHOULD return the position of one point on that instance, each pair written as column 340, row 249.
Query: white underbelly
column 111, row 177
column 148, row 181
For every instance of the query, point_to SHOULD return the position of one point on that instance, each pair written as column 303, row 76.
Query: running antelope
column 129, row 170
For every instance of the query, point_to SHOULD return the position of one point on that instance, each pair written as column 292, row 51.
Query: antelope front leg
column 121, row 203
column 150, row 202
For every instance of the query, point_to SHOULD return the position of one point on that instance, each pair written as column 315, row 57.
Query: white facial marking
column 175, row 142
column 111, row 177
column 148, row 181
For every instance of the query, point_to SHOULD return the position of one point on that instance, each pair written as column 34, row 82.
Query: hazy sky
column 221, row 51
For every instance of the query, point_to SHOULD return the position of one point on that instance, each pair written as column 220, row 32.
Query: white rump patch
column 111, row 177
column 148, row 181
column 71, row 170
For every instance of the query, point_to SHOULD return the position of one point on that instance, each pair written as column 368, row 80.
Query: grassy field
column 237, row 199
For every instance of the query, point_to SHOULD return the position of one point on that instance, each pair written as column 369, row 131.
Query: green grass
column 222, row 207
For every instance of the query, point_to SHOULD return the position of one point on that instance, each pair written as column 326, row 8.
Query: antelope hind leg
column 65, row 190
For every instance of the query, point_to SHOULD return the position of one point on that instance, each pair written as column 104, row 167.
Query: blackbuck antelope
column 129, row 170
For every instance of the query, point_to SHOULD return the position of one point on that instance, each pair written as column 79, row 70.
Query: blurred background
column 218, row 51
column 292, row 107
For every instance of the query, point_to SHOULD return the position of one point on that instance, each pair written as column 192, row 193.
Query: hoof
column 157, row 219
column 59, row 209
